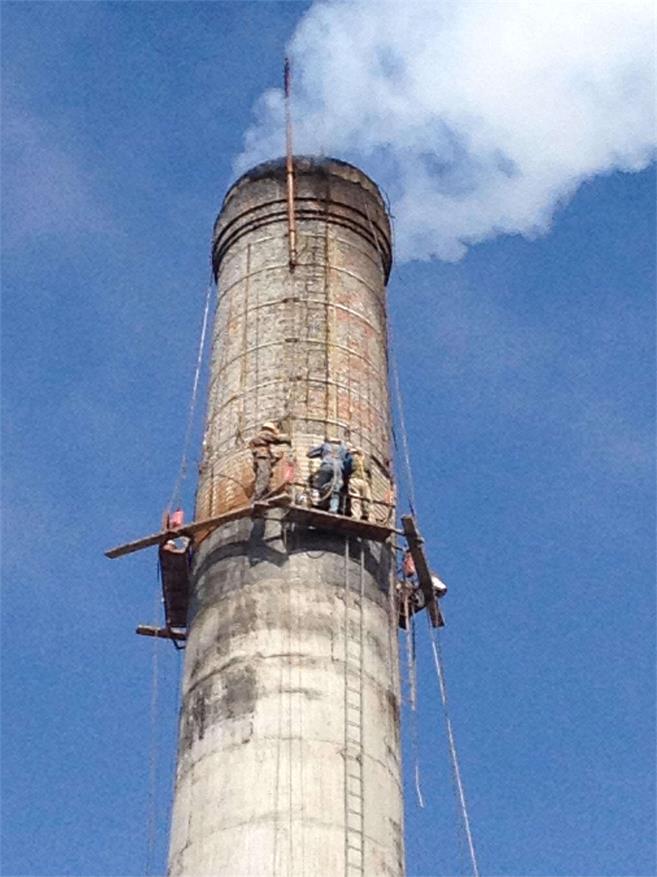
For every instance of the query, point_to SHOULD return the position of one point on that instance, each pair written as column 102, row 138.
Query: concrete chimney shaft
column 289, row 754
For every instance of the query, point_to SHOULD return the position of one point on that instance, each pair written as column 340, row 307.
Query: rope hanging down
column 395, row 377
column 153, row 749
column 440, row 673
column 182, row 470
column 410, row 483
column 412, row 684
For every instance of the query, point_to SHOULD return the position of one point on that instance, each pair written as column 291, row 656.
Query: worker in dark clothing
column 265, row 452
column 329, row 479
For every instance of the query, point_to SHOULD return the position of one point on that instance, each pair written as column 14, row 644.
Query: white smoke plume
column 477, row 118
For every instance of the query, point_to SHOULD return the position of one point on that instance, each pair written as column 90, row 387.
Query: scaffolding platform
column 311, row 517
column 187, row 530
column 176, row 545
column 425, row 582
column 322, row 520
column 174, row 571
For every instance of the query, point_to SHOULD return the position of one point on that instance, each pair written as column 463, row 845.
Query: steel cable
column 440, row 673
column 182, row 470
column 153, row 749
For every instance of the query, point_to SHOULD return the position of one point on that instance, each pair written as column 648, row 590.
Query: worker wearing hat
column 265, row 454
column 360, row 494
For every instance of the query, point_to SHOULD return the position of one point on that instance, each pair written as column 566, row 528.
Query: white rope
column 411, row 679
column 153, row 754
column 395, row 377
column 410, row 483
column 182, row 471
column 440, row 672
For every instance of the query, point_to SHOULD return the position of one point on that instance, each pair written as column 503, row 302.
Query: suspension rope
column 395, row 377
column 153, row 749
column 416, row 747
column 410, row 482
column 440, row 673
column 182, row 470
column 412, row 690
column 410, row 629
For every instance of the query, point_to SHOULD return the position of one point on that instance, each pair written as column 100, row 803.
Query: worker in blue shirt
column 329, row 479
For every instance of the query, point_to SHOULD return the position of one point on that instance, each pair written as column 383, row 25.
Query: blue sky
column 527, row 371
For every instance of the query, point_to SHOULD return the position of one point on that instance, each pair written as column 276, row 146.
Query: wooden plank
column 161, row 632
column 416, row 547
column 338, row 523
column 186, row 530
column 301, row 514
column 137, row 545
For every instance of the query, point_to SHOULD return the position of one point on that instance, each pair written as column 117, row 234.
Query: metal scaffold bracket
column 160, row 632
column 416, row 547
column 312, row 517
column 176, row 544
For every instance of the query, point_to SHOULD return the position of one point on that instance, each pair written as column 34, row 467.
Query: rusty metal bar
column 267, row 216
column 302, row 214
column 289, row 168
column 160, row 632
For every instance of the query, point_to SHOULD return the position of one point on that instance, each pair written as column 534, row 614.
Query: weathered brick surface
column 305, row 348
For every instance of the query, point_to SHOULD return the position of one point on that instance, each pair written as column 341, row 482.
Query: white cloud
column 477, row 118
column 48, row 188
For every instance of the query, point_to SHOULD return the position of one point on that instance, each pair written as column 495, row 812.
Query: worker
column 439, row 587
column 408, row 568
column 265, row 452
column 358, row 485
column 329, row 478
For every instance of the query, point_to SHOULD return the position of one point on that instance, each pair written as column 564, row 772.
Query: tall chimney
column 289, row 752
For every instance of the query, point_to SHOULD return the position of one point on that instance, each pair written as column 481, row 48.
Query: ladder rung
column 355, row 776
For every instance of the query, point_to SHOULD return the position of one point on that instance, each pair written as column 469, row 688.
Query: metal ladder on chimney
column 354, row 811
